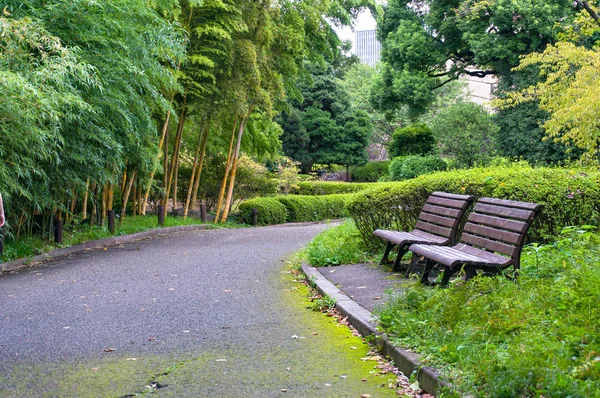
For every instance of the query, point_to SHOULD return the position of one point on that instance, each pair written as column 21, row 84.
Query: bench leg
column 385, row 258
column 448, row 272
column 429, row 264
column 401, row 252
column 413, row 264
column 470, row 272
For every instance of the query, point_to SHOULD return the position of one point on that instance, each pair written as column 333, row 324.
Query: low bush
column 270, row 211
column 405, row 168
column 315, row 208
column 370, row 172
column 416, row 139
column 295, row 208
column 329, row 188
column 570, row 197
column 492, row 337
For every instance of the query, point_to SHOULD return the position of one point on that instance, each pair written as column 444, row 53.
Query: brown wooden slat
column 493, row 233
column 466, row 198
column 438, row 240
column 511, row 203
column 489, row 257
column 456, row 204
column 434, row 229
column 503, row 211
column 497, row 222
column 442, row 211
column 489, row 244
column 433, row 219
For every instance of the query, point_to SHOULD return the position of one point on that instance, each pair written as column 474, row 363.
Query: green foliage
column 341, row 244
column 569, row 197
column 427, row 43
column 322, row 304
column 465, row 133
column 295, row 208
column 416, row 139
column 329, row 187
column 254, row 180
column 315, row 208
column 370, row 172
column 270, row 211
column 494, row 337
column 407, row 167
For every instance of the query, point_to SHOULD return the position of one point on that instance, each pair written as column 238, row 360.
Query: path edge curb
column 362, row 319
column 14, row 265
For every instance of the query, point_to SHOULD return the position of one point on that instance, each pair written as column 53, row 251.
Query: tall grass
column 493, row 337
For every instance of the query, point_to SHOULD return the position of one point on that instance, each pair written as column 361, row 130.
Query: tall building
column 367, row 46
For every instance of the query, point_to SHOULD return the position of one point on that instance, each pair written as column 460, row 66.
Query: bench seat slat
column 456, row 196
column 493, row 233
column 434, row 229
column 503, row 211
column 488, row 244
column 442, row 211
column 415, row 236
column 511, row 203
column 433, row 219
column 497, row 222
column 456, row 255
column 445, row 202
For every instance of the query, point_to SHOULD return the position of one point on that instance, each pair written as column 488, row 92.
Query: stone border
column 96, row 244
column 362, row 319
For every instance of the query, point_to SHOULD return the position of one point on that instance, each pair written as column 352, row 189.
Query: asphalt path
column 210, row 313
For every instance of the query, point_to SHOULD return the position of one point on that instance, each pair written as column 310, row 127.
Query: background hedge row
column 570, row 197
column 295, row 208
column 329, row 187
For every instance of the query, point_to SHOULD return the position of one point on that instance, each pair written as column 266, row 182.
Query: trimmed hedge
column 570, row 197
column 295, row 208
column 330, row 187
column 407, row 167
column 270, row 211
column 370, row 172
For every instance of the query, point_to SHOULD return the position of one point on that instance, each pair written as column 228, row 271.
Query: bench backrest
column 442, row 213
column 500, row 226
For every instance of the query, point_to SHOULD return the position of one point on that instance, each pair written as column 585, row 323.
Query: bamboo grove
column 102, row 102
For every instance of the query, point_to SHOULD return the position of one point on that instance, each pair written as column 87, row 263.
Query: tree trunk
column 125, row 199
column 110, row 196
column 134, row 201
column 85, row 199
column 236, row 158
column 139, row 191
column 200, row 165
column 227, row 168
column 193, row 176
column 103, row 205
column 160, row 146
column 175, row 156
column 165, row 170
column 94, row 203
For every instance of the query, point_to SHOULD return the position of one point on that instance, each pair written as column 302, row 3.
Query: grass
column 338, row 245
column 538, row 336
column 31, row 246
column 493, row 337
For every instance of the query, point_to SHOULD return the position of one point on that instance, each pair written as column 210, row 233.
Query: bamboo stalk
column 175, row 156
column 160, row 145
column 200, row 165
column 193, row 176
column 236, row 158
column 126, row 193
column 85, row 199
column 227, row 168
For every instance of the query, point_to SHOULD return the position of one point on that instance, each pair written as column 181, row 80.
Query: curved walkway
column 207, row 313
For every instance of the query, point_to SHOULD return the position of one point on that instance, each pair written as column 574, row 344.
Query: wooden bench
column 437, row 225
column 492, row 240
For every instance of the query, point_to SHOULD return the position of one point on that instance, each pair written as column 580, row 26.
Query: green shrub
column 329, row 187
column 315, row 208
column 408, row 167
column 270, row 211
column 416, row 139
column 370, row 172
column 493, row 337
column 570, row 197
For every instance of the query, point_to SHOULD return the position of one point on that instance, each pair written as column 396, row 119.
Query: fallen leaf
column 109, row 349
column 354, row 348
column 288, row 368
column 283, row 390
column 327, row 385
column 132, row 359
column 376, row 298
column 151, row 338
column 294, row 337
column 361, row 287
column 364, row 380
column 315, row 333
column 365, row 396
column 222, row 360
column 372, row 358
column 186, row 331
column 227, row 291
column 95, row 368
column 171, row 288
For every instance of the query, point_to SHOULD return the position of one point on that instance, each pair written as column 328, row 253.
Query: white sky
column 364, row 21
